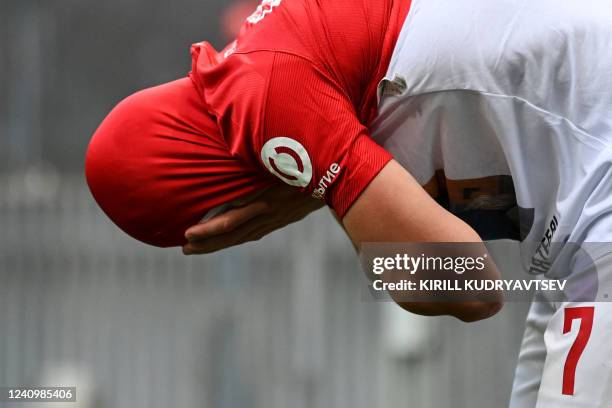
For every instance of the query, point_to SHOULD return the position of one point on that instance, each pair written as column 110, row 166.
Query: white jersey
column 523, row 89
column 517, row 88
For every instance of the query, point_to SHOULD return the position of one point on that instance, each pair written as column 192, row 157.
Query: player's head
column 158, row 163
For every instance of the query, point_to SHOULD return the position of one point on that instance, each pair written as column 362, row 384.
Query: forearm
column 394, row 208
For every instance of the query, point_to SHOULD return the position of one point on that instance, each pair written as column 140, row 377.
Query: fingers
column 226, row 222
column 273, row 209
column 251, row 230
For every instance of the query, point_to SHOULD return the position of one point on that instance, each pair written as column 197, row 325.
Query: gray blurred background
column 280, row 323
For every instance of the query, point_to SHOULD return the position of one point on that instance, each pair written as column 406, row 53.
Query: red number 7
column 585, row 314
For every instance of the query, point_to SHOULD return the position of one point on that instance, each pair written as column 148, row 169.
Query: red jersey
column 294, row 93
column 290, row 98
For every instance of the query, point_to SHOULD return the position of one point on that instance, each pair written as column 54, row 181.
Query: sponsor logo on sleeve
column 326, row 181
column 288, row 160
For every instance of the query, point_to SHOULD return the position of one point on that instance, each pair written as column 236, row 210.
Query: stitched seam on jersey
column 316, row 66
column 268, row 81
column 590, row 138
column 264, row 108
column 275, row 52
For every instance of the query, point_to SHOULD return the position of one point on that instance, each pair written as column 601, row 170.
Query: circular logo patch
column 288, row 160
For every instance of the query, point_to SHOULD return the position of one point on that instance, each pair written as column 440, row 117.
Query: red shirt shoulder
column 293, row 93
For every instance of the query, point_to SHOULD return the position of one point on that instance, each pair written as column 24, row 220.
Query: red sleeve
column 278, row 112
column 312, row 138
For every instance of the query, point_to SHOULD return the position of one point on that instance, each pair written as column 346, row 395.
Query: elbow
column 465, row 311
column 474, row 311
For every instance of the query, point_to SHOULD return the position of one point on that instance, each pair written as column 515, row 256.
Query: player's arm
column 395, row 208
column 273, row 209
column 306, row 133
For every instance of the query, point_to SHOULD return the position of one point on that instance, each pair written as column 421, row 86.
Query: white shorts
column 566, row 357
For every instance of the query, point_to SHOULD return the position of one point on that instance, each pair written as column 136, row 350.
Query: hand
column 275, row 208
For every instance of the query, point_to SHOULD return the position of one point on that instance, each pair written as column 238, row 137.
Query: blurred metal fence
column 65, row 63
column 279, row 323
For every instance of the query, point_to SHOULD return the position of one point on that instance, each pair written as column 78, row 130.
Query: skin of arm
column 274, row 209
column 393, row 208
